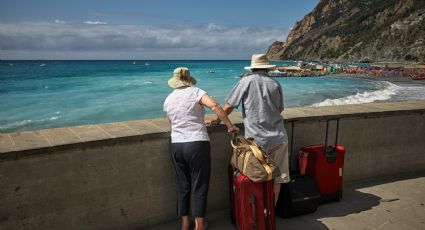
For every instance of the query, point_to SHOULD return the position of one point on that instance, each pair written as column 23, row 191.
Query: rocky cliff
column 357, row 30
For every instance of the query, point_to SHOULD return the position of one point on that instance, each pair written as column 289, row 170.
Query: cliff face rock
column 357, row 30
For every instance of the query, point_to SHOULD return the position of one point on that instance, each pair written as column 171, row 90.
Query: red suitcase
column 252, row 204
column 325, row 164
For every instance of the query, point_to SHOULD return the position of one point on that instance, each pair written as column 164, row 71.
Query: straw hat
column 181, row 77
column 259, row 61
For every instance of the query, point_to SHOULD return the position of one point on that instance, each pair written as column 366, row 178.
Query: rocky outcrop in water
column 357, row 30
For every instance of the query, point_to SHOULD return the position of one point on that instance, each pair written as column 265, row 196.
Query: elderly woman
column 190, row 146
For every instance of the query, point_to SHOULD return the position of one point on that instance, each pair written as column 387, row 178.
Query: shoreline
column 402, row 80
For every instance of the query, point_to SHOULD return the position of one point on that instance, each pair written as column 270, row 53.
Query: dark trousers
column 192, row 166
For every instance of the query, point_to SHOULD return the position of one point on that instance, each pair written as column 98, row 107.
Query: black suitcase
column 298, row 197
column 301, row 195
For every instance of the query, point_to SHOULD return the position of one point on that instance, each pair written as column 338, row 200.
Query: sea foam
column 387, row 91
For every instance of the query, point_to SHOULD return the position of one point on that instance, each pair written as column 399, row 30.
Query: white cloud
column 59, row 21
column 212, row 27
column 82, row 41
column 95, row 23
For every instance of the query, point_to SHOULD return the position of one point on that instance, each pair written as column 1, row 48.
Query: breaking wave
column 386, row 92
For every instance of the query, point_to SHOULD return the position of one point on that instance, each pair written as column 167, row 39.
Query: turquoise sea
column 45, row 94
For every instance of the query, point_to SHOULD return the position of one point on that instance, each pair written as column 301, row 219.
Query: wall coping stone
column 22, row 144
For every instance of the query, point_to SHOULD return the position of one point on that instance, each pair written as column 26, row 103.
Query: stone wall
column 119, row 175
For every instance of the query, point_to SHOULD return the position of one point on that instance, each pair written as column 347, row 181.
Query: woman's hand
column 221, row 115
column 233, row 130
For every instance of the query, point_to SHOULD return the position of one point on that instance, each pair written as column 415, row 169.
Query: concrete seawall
column 119, row 175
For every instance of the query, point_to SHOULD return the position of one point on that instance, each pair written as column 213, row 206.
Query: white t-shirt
column 186, row 115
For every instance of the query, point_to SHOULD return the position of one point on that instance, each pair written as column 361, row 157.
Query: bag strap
column 248, row 145
column 256, row 150
column 240, row 142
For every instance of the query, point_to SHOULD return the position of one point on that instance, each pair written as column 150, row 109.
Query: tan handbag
column 252, row 161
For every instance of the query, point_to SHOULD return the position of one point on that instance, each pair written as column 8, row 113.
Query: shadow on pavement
column 353, row 201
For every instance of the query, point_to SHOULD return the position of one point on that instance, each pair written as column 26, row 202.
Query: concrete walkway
column 391, row 203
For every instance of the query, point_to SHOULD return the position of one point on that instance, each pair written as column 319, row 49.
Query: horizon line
column 3, row 60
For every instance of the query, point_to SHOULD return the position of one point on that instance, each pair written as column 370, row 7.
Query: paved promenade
column 391, row 203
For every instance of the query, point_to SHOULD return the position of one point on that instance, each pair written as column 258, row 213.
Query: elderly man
column 262, row 104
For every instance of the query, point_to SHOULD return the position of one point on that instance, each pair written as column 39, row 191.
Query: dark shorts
column 192, row 166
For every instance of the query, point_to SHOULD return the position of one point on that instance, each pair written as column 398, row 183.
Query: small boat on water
column 134, row 62
column 43, row 65
column 211, row 71
column 277, row 73
column 147, row 63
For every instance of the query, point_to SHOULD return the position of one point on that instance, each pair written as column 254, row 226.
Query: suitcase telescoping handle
column 296, row 166
column 327, row 130
column 331, row 151
column 295, row 163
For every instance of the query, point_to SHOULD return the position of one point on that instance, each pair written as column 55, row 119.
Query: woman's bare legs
column 199, row 223
column 185, row 222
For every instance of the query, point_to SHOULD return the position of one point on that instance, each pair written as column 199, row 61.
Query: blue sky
column 144, row 29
